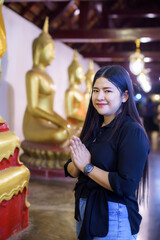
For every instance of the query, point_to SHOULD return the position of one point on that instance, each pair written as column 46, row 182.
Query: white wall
column 18, row 60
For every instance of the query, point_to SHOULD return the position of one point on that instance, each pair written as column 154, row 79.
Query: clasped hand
column 79, row 153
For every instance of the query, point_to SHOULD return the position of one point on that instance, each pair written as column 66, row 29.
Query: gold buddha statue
column 89, row 80
column 3, row 42
column 74, row 98
column 41, row 124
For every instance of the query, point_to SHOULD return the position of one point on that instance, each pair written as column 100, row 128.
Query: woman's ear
column 125, row 96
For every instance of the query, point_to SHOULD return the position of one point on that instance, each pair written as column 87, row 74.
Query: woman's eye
column 94, row 90
column 108, row 91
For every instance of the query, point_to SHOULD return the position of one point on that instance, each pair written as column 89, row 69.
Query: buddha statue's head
column 43, row 47
column 89, row 75
column 75, row 71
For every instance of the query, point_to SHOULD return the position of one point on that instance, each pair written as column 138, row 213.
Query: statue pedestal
column 14, row 215
column 44, row 161
column 14, row 179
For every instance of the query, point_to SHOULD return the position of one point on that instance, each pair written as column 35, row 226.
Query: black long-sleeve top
column 124, row 157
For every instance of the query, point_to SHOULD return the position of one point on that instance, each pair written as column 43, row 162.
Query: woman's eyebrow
column 95, row 87
column 103, row 88
column 107, row 87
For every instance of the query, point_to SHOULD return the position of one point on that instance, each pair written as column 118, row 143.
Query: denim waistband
column 114, row 207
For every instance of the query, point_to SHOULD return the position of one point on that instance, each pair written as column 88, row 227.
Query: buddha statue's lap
column 40, row 130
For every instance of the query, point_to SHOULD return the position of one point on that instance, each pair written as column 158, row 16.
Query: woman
column 109, row 160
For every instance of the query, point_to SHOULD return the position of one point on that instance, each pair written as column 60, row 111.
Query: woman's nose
column 100, row 95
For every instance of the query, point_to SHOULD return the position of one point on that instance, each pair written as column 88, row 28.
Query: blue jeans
column 119, row 226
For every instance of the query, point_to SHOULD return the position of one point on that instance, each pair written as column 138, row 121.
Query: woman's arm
column 133, row 151
column 73, row 170
column 132, row 155
column 101, row 177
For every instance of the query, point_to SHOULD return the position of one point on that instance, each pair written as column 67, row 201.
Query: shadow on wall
column 6, row 96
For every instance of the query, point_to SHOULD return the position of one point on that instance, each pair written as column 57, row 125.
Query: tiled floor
column 52, row 208
column 150, row 227
column 51, row 211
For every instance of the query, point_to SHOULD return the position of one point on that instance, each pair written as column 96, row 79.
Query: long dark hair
column 118, row 76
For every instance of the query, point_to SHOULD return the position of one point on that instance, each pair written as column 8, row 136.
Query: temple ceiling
column 104, row 31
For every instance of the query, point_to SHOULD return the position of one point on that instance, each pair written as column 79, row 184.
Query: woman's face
column 106, row 97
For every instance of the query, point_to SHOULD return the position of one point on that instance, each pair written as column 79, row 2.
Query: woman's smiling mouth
column 101, row 104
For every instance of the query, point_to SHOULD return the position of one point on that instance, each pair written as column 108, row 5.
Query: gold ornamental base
column 44, row 161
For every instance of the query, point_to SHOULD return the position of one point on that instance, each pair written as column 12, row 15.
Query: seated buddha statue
column 41, row 124
column 89, row 80
column 74, row 98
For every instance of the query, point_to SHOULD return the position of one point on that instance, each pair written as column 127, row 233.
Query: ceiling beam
column 106, row 35
column 40, row 16
column 83, row 16
column 129, row 13
column 153, row 68
column 60, row 10
column 119, row 56
column 37, row 1
column 26, row 9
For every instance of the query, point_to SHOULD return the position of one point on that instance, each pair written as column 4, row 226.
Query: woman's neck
column 108, row 119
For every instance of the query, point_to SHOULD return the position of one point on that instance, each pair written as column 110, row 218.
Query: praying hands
column 79, row 153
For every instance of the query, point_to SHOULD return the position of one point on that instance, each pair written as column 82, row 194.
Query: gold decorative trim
column 8, row 142
column 42, row 157
column 49, row 159
column 12, row 181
